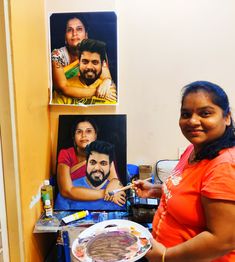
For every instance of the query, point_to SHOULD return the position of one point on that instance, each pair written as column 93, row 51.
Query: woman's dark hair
column 219, row 98
column 83, row 119
column 76, row 16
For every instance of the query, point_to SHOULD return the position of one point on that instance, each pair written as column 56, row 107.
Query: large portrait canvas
column 91, row 160
column 83, row 57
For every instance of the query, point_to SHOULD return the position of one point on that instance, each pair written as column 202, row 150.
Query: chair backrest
column 164, row 168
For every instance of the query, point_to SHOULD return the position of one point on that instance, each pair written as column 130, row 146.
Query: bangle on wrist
column 164, row 254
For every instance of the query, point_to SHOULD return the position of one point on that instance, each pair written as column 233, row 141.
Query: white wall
column 164, row 45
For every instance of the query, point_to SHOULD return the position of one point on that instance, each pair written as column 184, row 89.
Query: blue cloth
column 63, row 203
column 132, row 171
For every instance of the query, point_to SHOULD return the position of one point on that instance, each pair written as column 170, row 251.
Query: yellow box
column 145, row 171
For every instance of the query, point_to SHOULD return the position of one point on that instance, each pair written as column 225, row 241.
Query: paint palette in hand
column 113, row 240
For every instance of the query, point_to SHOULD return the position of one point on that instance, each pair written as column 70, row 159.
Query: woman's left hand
column 107, row 90
column 104, row 87
column 111, row 95
column 112, row 185
column 118, row 198
column 156, row 251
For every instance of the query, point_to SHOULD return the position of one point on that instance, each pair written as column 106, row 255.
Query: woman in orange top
column 195, row 220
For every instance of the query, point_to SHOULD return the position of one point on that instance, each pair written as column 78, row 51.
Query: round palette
column 113, row 240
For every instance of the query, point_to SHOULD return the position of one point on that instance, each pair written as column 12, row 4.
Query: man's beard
column 87, row 80
column 97, row 183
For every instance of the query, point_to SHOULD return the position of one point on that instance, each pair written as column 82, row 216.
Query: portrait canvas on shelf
column 83, row 58
column 91, row 158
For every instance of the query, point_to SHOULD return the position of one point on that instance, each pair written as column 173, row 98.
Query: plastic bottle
column 75, row 216
column 47, row 192
column 48, row 222
column 48, row 208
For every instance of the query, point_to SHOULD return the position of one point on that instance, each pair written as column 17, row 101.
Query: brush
column 111, row 193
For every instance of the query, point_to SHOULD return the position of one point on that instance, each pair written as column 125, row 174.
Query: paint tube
column 75, row 216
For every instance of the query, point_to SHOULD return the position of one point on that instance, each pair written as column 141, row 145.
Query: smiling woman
column 205, row 117
column 203, row 181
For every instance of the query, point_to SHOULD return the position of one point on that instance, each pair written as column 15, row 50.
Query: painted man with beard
column 100, row 156
column 92, row 57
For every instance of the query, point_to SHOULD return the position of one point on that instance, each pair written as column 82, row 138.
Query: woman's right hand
column 146, row 189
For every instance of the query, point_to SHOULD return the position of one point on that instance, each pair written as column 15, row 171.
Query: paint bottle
column 75, row 216
column 47, row 192
column 48, row 208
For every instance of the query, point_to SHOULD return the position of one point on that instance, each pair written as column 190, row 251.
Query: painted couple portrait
column 90, row 166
